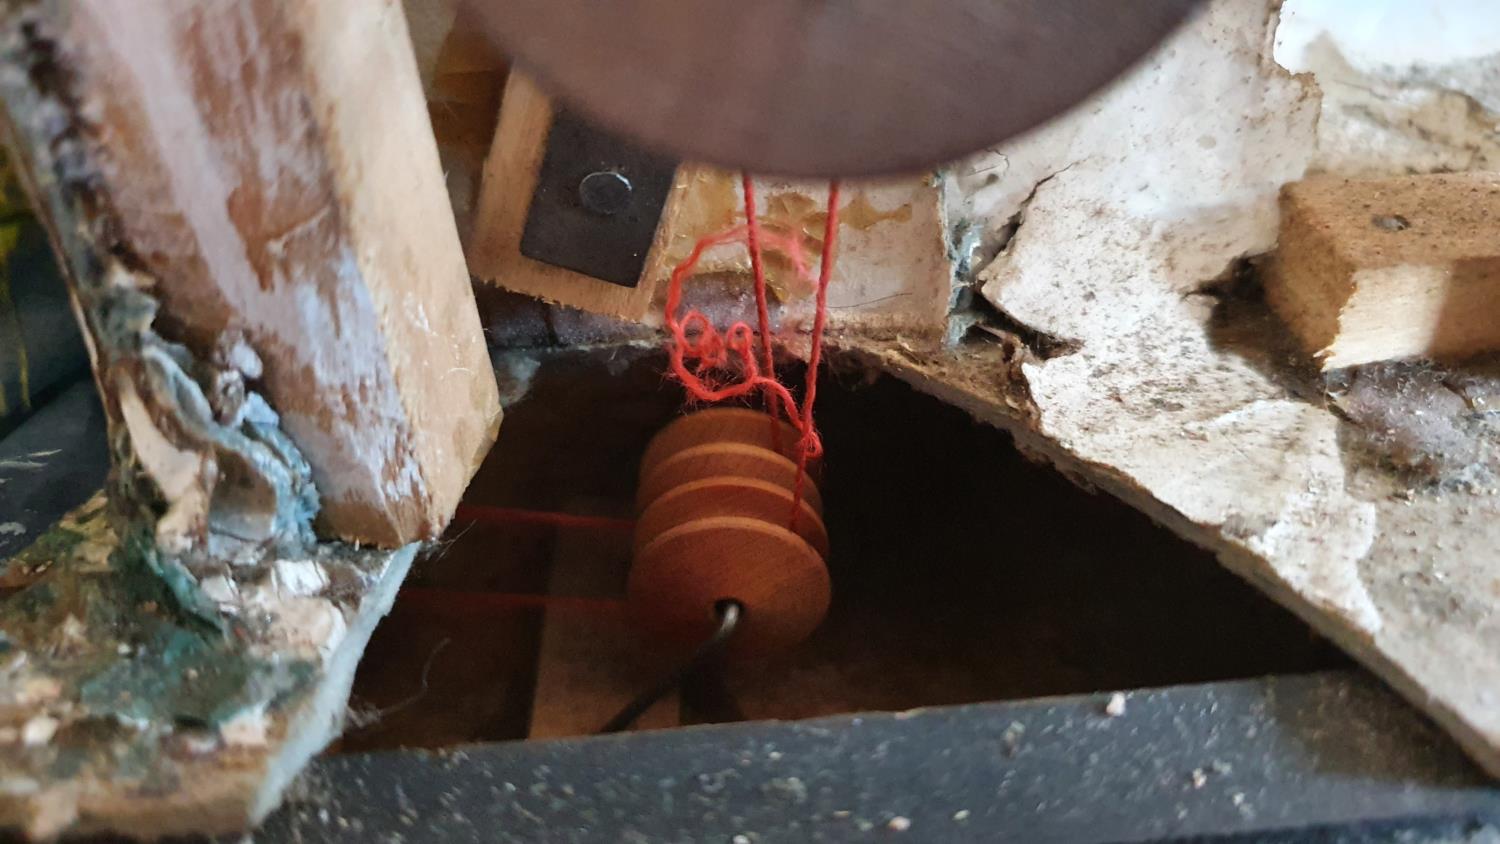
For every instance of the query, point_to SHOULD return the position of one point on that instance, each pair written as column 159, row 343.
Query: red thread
column 460, row 600
column 697, row 351
column 762, row 309
column 815, row 353
column 514, row 516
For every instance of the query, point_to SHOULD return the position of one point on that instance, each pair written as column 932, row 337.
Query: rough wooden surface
column 273, row 167
column 590, row 664
column 893, row 269
column 1382, row 269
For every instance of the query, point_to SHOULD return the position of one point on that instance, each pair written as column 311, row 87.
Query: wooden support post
column 269, row 169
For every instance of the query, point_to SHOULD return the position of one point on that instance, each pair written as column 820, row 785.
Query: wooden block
column 510, row 175
column 893, row 267
column 1371, row 270
column 274, row 173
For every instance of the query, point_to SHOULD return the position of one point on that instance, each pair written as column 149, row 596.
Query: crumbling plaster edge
column 1484, row 748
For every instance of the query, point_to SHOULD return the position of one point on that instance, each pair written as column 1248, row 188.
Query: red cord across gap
column 512, row 516
column 462, row 600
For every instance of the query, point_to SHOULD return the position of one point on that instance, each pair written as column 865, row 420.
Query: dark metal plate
column 1326, row 757
column 826, row 87
column 597, row 201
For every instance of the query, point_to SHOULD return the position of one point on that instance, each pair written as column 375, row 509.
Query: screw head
column 605, row 192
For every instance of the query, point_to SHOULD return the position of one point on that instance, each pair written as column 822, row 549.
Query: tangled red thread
column 714, row 366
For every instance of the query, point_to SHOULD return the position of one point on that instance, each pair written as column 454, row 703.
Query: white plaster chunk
column 39, row 730
column 1128, row 208
column 300, row 577
column 246, row 729
column 219, row 589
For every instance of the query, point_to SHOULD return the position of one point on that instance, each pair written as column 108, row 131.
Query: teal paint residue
column 178, row 676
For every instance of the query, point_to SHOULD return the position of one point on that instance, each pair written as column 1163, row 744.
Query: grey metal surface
column 827, row 88
column 52, row 463
column 580, row 218
column 1311, row 757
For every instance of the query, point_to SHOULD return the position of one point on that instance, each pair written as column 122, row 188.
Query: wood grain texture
column 730, row 496
column 777, row 577
column 718, row 459
column 1382, row 269
column 721, row 425
column 274, row 168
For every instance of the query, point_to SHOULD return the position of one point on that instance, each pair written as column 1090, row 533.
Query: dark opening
column 962, row 572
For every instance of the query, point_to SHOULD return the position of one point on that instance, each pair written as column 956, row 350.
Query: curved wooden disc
column 729, row 496
column 778, row 579
column 803, row 88
column 721, row 424
column 733, row 459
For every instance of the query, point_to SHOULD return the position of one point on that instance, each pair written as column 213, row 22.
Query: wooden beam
column 1371, row 270
column 271, row 170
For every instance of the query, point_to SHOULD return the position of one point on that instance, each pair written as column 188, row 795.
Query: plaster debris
column 39, row 730
column 300, row 577
column 247, row 729
column 1184, row 397
column 219, row 589
column 1116, row 705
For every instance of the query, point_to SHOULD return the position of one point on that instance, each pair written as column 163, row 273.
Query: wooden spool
column 717, row 460
column 715, row 524
column 724, row 425
column 730, row 496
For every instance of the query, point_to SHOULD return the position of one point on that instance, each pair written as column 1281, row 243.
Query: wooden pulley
column 716, row 523
column 725, row 425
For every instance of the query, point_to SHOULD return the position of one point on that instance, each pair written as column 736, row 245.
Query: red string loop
column 714, row 366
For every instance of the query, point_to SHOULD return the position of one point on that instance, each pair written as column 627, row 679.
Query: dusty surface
column 1133, row 352
column 117, row 713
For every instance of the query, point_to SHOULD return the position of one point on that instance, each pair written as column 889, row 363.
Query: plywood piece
column 1383, row 269
column 592, row 663
column 273, row 170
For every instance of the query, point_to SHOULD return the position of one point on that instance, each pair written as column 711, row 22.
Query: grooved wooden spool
column 723, row 459
column 776, row 577
column 723, row 425
column 730, row 496
column 715, row 524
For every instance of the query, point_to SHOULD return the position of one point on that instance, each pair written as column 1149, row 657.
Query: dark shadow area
column 962, row 572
